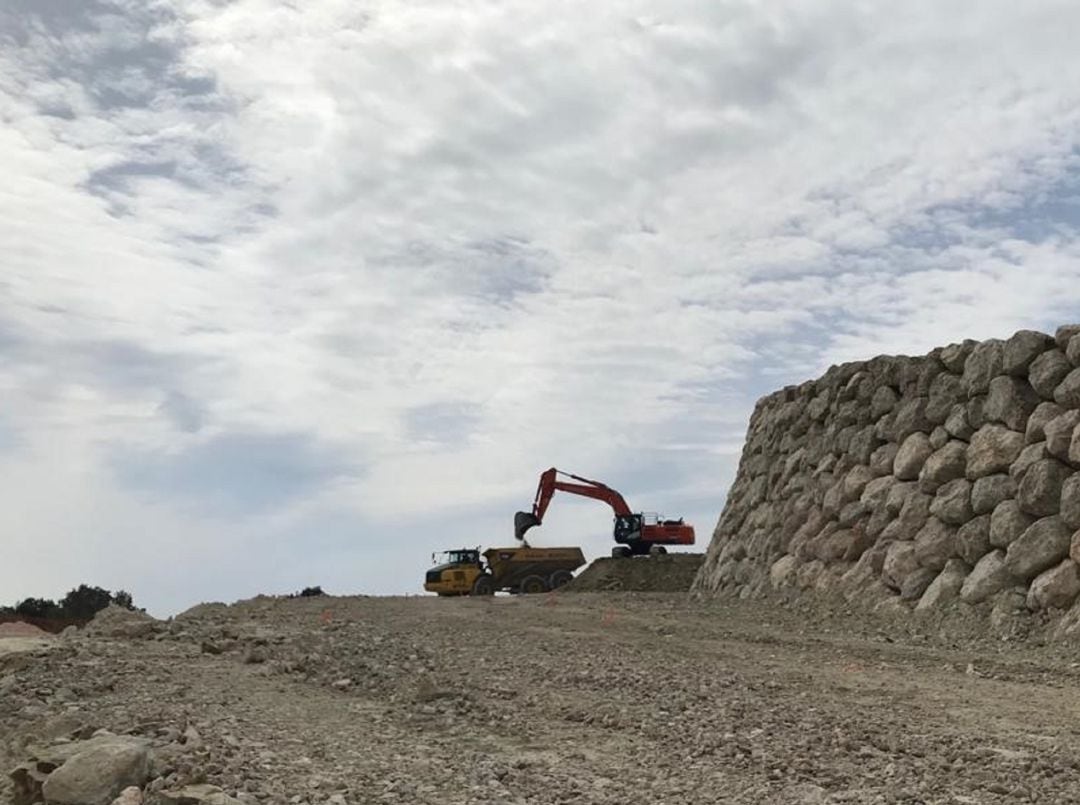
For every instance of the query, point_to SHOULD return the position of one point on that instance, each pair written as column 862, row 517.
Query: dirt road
column 580, row 698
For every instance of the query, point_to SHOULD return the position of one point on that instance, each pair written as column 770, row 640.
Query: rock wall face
column 914, row 482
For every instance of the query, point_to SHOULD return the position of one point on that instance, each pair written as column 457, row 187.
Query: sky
column 296, row 292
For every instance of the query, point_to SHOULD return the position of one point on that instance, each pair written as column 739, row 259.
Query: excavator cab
column 455, row 572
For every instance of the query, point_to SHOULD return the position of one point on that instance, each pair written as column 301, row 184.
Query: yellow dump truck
column 515, row 570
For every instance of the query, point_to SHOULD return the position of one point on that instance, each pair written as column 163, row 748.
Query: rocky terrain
column 945, row 481
column 563, row 698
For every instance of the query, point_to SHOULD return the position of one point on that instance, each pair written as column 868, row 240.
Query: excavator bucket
column 523, row 521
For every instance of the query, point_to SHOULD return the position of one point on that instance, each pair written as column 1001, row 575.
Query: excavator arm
column 550, row 483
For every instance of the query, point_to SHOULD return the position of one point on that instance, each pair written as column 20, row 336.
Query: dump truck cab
column 455, row 572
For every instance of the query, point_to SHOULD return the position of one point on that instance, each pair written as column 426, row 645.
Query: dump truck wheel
column 484, row 585
column 621, row 552
column 657, row 550
column 560, row 578
column 533, row 584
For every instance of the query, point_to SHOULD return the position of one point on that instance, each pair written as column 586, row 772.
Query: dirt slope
column 602, row 698
column 672, row 573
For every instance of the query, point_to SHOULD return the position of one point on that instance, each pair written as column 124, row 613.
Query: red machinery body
column 637, row 532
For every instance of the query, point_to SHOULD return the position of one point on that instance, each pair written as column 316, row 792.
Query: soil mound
column 20, row 629
column 670, row 573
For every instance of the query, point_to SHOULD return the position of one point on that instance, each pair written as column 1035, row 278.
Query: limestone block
column 1070, row 501
column 1059, row 434
column 993, row 448
column 900, row 562
column 1065, row 333
column 935, row 544
column 946, row 390
column 1044, row 544
column 983, row 365
column 1055, row 588
column 990, row 491
column 973, row 539
column 952, row 503
column 1022, row 349
column 1067, row 394
column 944, row 465
column 1040, row 490
column 1010, row 402
column 912, row 456
column 916, row 584
column 1007, row 523
column 988, row 577
column 957, row 424
column 1043, row 414
column 945, row 587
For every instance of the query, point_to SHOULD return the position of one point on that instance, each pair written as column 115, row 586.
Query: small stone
column 342, row 684
column 939, row 438
column 255, row 655
column 900, row 562
column 131, row 795
column 916, row 584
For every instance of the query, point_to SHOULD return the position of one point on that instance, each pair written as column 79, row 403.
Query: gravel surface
column 568, row 698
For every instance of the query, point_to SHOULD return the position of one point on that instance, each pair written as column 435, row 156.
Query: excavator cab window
column 627, row 527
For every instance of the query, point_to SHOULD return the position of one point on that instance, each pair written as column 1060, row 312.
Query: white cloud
column 585, row 238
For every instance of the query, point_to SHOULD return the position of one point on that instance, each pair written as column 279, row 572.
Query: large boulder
column 1047, row 372
column 993, row 448
column 1040, row 490
column 935, row 544
column 910, row 417
column 912, row 456
column 1044, row 544
column 1043, row 414
column 945, row 392
column 1064, row 334
column 945, row 587
column 1010, row 402
column 1055, row 588
column 1067, row 394
column 944, row 465
column 1059, row 434
column 957, row 424
column 990, row 491
column 911, row 518
column 1072, row 351
column 1007, row 523
column 973, row 539
column 952, row 504
column 1028, row 458
column 1022, row 349
column 1070, row 501
column 982, row 366
column 916, row 583
column 98, row 775
column 987, row 578
column 883, row 402
column 900, row 562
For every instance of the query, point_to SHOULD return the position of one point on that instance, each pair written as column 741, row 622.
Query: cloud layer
column 298, row 292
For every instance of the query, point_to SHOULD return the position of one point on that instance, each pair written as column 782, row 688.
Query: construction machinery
column 637, row 533
column 466, row 571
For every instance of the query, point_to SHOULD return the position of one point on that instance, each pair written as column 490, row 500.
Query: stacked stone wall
column 917, row 482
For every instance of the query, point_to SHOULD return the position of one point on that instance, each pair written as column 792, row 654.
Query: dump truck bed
column 509, row 566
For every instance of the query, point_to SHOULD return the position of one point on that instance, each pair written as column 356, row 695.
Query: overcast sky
column 298, row 291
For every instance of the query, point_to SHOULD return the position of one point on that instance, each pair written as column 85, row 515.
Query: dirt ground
column 568, row 698
column 670, row 573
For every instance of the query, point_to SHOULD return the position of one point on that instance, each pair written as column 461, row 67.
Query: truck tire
column 621, row 552
column 560, row 578
column 533, row 584
column 484, row 585
column 657, row 550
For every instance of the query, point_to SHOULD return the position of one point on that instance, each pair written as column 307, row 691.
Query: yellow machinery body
column 515, row 570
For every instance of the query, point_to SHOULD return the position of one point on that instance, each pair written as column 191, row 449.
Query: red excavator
column 637, row 534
